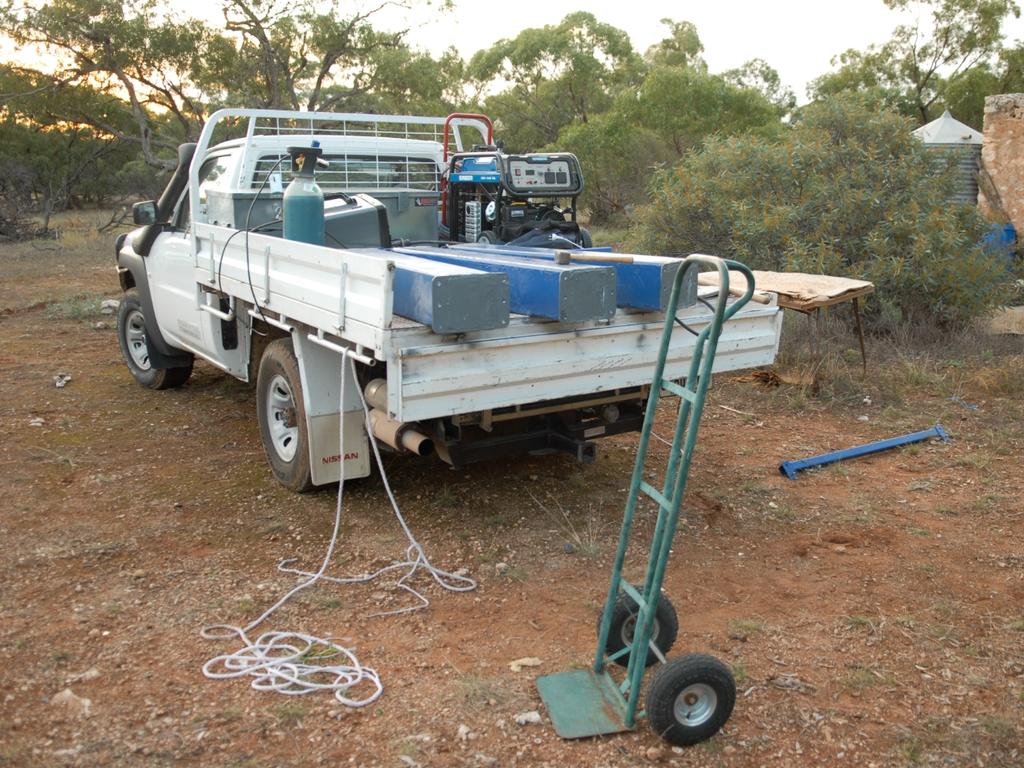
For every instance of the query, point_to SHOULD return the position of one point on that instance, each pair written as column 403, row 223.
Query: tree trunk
column 47, row 208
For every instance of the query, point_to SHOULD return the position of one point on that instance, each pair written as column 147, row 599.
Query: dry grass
column 82, row 306
column 614, row 235
column 56, row 270
column 962, row 367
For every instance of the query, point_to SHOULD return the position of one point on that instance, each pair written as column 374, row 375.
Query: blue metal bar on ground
column 568, row 293
column 447, row 297
column 643, row 285
column 790, row 468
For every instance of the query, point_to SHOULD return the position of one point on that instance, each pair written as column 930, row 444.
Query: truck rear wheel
column 131, row 336
column 281, row 412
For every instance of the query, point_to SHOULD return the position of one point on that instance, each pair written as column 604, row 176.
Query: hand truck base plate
column 583, row 703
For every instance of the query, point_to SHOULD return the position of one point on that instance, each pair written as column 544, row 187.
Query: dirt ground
column 872, row 613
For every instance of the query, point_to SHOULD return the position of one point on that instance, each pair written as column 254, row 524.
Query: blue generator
column 527, row 200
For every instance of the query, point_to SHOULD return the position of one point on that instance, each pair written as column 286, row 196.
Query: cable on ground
column 297, row 663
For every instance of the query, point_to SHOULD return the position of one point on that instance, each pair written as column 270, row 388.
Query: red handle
column 460, row 116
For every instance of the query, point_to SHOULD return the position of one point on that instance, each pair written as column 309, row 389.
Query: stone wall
column 1002, row 160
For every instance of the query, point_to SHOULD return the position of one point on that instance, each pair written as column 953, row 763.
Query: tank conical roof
column 947, row 130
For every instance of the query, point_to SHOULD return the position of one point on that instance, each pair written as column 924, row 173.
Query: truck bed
column 348, row 295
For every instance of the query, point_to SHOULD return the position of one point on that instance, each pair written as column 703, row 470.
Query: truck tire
column 281, row 412
column 131, row 336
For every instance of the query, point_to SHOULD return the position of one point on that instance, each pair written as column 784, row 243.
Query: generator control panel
column 557, row 174
column 479, row 169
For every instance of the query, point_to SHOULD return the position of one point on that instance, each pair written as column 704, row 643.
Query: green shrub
column 674, row 110
column 846, row 190
column 617, row 155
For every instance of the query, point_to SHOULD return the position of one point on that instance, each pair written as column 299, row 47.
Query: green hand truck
column 689, row 698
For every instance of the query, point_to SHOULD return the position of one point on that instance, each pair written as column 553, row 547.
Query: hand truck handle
column 722, row 311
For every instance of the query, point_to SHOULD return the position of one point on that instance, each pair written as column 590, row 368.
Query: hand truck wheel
column 690, row 699
column 624, row 618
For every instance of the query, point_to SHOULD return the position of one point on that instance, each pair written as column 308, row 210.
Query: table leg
column 860, row 335
column 819, row 351
column 812, row 321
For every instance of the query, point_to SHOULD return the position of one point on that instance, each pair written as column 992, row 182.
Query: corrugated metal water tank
column 947, row 134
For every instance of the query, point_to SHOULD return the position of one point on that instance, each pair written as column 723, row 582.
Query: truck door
column 171, row 272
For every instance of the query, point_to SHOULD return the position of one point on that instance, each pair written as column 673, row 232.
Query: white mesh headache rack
column 397, row 159
column 361, row 171
column 381, row 152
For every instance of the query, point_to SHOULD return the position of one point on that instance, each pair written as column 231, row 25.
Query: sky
column 797, row 37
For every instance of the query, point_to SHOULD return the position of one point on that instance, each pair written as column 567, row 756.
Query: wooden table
column 805, row 293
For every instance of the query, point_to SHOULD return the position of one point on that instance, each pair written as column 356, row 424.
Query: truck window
column 358, row 173
column 212, row 173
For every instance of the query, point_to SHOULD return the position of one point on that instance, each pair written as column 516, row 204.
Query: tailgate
column 428, row 381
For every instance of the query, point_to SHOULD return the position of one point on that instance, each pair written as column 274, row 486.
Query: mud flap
column 320, row 370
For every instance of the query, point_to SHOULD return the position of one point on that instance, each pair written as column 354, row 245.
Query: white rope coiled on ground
column 297, row 663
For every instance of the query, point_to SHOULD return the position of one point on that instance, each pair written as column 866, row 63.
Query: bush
column 675, row 109
column 845, row 191
column 15, row 201
column 139, row 180
column 617, row 157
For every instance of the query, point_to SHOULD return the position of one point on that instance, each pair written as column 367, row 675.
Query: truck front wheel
column 282, row 416
column 131, row 335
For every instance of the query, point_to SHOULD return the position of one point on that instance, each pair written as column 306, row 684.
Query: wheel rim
column 282, row 420
column 629, row 630
column 695, row 705
column 135, row 340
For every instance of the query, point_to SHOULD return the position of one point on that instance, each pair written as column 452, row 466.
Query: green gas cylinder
column 303, row 209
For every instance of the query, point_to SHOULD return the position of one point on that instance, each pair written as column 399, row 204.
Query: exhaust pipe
column 376, row 394
column 401, row 436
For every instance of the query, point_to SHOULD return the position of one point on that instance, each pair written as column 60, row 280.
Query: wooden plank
column 798, row 290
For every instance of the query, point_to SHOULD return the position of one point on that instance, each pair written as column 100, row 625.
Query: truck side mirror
column 144, row 213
